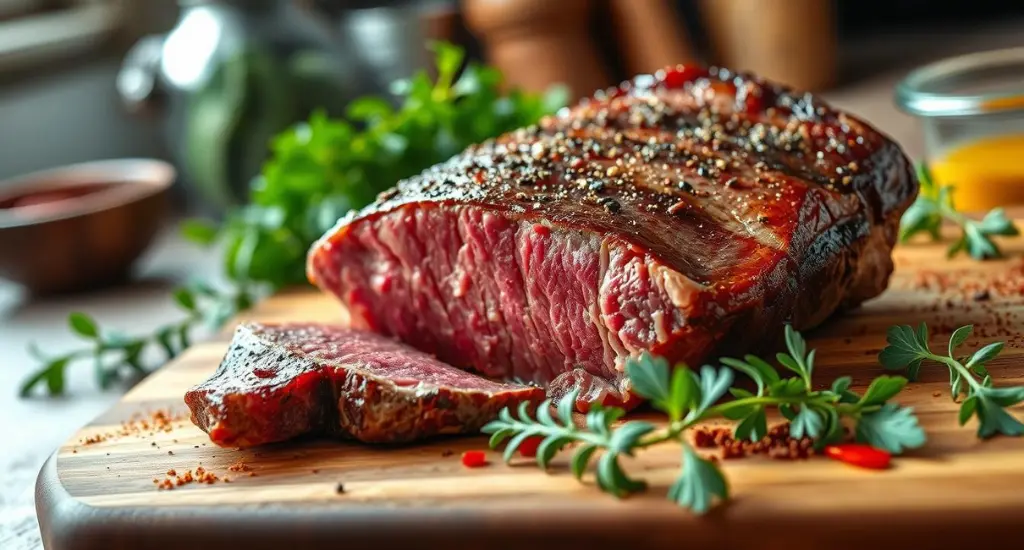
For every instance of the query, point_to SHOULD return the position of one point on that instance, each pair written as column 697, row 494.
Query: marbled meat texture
column 278, row 382
column 690, row 213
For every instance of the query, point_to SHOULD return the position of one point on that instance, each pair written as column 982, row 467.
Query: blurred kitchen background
column 60, row 59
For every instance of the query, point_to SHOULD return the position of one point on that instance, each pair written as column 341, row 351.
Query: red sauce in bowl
column 50, row 199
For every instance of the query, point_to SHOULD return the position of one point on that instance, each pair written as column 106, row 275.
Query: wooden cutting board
column 955, row 490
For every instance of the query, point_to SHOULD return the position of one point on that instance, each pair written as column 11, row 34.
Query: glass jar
column 972, row 111
column 230, row 76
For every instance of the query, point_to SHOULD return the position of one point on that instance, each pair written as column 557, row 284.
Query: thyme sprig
column 689, row 397
column 934, row 205
column 116, row 356
column 968, row 376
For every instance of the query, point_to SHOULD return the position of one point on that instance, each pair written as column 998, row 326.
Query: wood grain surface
column 956, row 489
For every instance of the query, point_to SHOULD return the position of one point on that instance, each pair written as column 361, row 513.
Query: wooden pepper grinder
column 651, row 35
column 791, row 41
column 537, row 43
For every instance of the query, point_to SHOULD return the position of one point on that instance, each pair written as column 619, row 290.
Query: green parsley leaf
column 841, row 384
column 807, row 423
column 892, row 428
column 714, row 383
column 789, row 387
column 683, row 394
column 993, row 418
column 934, row 205
column 967, row 409
column 904, row 348
column 958, row 337
column 753, row 427
column 985, row 354
column 882, row 389
column 699, row 484
column 650, row 378
column 756, row 368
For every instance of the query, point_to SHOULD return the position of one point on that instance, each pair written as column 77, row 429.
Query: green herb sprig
column 934, row 205
column 689, row 397
column 318, row 171
column 968, row 376
column 116, row 356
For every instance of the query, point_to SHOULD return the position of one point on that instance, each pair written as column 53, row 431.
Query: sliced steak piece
column 688, row 213
column 281, row 381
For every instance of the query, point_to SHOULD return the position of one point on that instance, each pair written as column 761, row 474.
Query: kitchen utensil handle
column 791, row 41
column 138, row 78
column 539, row 43
column 651, row 35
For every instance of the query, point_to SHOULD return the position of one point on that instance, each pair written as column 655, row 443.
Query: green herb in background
column 116, row 356
column 317, row 172
column 321, row 169
column 934, row 205
column 968, row 377
column 688, row 397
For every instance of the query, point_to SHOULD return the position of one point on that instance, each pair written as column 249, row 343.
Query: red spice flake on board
column 474, row 459
column 141, row 425
column 528, row 447
column 239, row 467
column 199, row 475
column 860, row 455
column 985, row 296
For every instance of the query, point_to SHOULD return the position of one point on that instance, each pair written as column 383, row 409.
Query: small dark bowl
column 81, row 226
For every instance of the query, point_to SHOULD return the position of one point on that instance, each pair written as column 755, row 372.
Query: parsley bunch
column 318, row 171
column 934, row 205
column 968, row 377
column 689, row 397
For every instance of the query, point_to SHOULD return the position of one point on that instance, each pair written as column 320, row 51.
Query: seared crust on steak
column 687, row 214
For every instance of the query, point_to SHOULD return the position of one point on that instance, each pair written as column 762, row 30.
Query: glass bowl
column 972, row 112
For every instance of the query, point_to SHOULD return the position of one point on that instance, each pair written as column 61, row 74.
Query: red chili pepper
column 856, row 454
column 474, row 459
column 528, row 447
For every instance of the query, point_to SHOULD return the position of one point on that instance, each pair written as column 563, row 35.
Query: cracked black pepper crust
column 708, row 156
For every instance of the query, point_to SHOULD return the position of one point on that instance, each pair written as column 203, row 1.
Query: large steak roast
column 689, row 213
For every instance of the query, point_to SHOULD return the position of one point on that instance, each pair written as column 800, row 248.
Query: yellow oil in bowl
column 986, row 173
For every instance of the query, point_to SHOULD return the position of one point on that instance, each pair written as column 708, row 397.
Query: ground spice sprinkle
column 778, row 444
